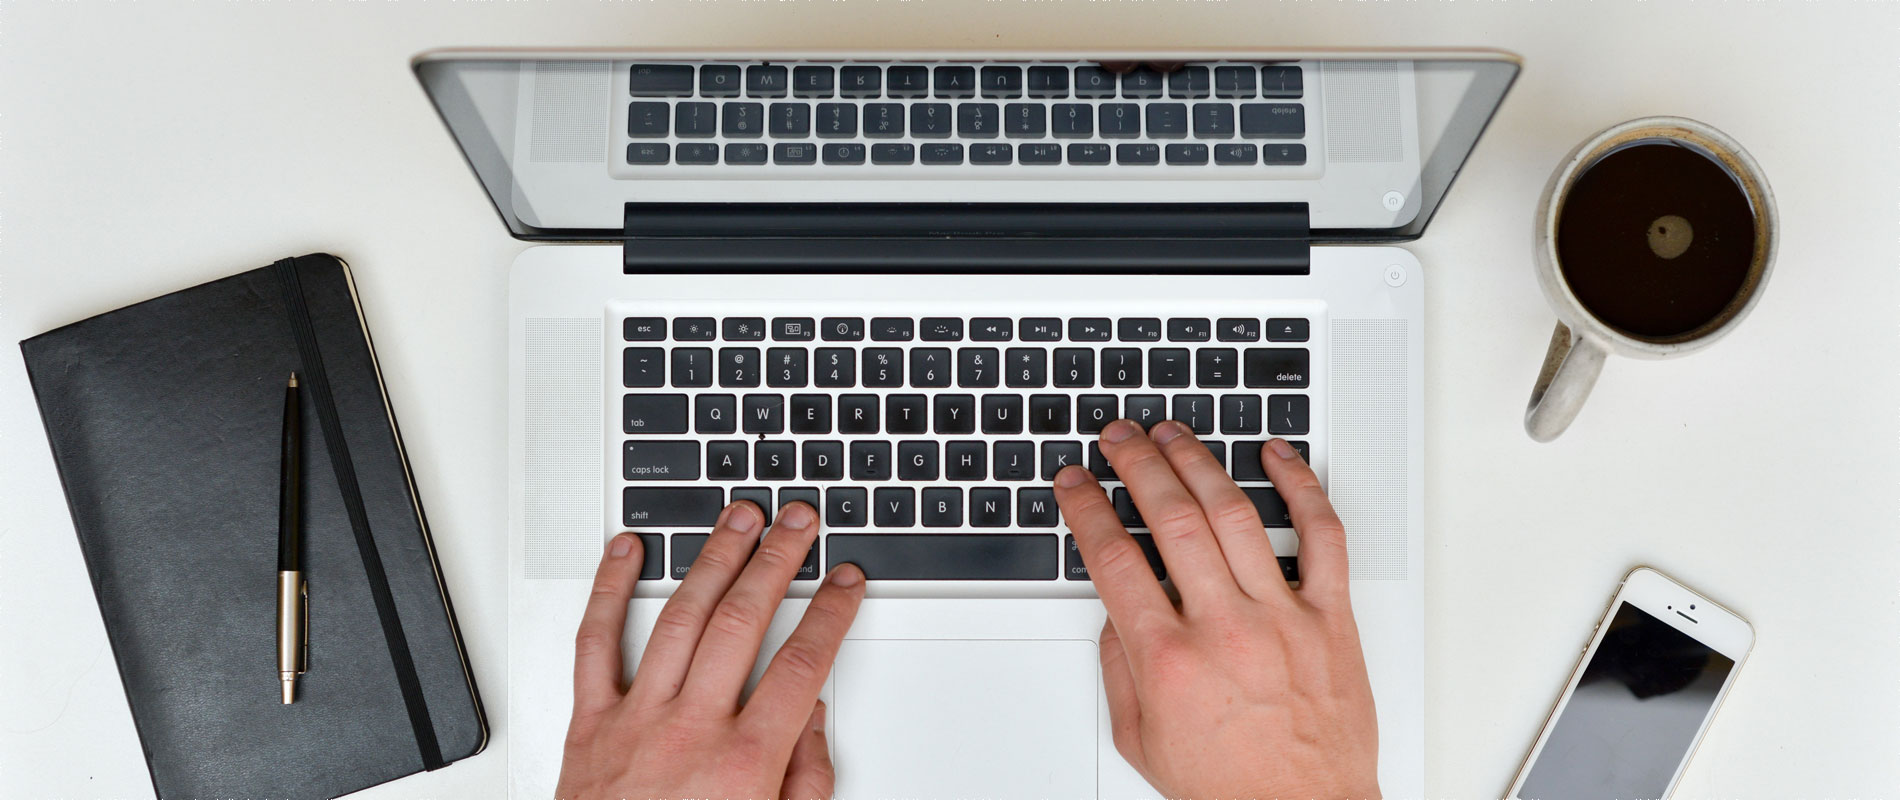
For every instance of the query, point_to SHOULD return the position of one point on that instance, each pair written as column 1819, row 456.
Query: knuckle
column 1120, row 556
column 604, row 595
column 801, row 661
column 773, row 556
column 676, row 621
column 732, row 618
column 592, row 641
column 1176, row 521
column 1235, row 514
column 717, row 559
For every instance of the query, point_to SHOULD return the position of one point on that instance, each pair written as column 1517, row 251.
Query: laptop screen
column 1366, row 144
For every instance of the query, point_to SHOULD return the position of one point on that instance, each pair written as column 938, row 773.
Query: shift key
column 660, row 461
column 671, row 507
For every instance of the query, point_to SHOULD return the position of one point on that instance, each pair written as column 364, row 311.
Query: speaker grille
column 561, row 439
column 570, row 112
column 1362, row 111
column 1371, row 455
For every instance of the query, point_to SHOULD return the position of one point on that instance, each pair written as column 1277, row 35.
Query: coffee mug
column 1654, row 239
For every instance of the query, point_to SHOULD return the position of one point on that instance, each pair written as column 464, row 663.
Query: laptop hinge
column 1230, row 238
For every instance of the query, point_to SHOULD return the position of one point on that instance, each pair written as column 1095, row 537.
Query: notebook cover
column 165, row 420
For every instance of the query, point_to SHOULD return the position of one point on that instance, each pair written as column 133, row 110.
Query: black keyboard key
column 648, row 121
column 892, row 329
column 1025, row 120
column 715, row 413
column 647, row 153
column 1041, row 329
column 643, row 329
column 1002, row 82
column 990, row 153
column 1075, row 368
column 860, row 82
column 760, row 496
column 1141, row 82
column 954, row 413
column 1094, row 82
column 965, row 461
column 686, row 547
column 1234, row 82
column 746, row 153
column 1272, row 508
column 948, row 556
column 1186, row 154
column 1048, row 414
column 1168, row 368
column 643, row 367
column 1098, row 464
column 764, row 413
column 989, row 508
column 812, row 81
column 1218, row 450
column 916, row 461
column 653, row 413
column 978, row 120
column 1147, row 410
column 811, row 413
column 1236, row 154
column 1056, row 455
column 894, row 507
column 930, row 120
column 1287, row 414
column 1272, row 120
column 842, row 329
column 1125, row 509
column 790, row 120
column 837, row 368
column 909, row 81
column 1093, row 412
column 795, row 153
column 1237, row 329
column 726, row 461
column 871, row 461
column 1088, row 329
column 792, row 329
column 671, row 506
column 1026, row 368
column 1072, row 120
column 719, row 80
column 1039, row 153
column 883, row 368
column 1048, row 82
column 1121, row 368
column 1247, row 457
column 930, row 367
column 1138, row 154
column 941, row 329
column 906, row 413
column 857, row 413
column 775, row 461
column 739, row 366
column 801, row 494
column 822, row 461
column 1075, row 570
column 1138, row 329
column 1214, row 120
column 1014, row 461
column 1188, row 83
column 955, row 81
column 659, row 461
column 1182, row 329
column 1239, row 414
column 692, row 367
column 808, row 570
column 1277, row 367
column 893, row 153
column 742, row 121
column 940, row 153
column 836, row 120
column 1283, row 155
column 1217, row 368
column 661, row 80
column 764, row 80
column 1195, row 411
column 1281, row 82
column 845, row 507
column 1167, row 120
column 977, row 368
column 884, row 121
column 844, row 153
column 698, row 153
column 1002, row 413
column 695, row 120
column 742, row 329
column 943, row 508
column 1288, row 329
column 1119, row 120
column 991, row 329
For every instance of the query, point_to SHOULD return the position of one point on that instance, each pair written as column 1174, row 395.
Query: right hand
column 1250, row 688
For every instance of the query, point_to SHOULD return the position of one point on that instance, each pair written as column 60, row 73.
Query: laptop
column 906, row 288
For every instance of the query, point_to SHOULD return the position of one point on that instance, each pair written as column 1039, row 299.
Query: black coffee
column 1656, row 238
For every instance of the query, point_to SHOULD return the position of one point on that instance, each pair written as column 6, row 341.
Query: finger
column 1124, row 708
column 792, row 681
column 1119, row 67
column 1323, row 570
column 597, row 643
column 1235, row 521
column 1165, row 66
column 1187, row 544
column 669, row 651
column 809, row 775
column 734, row 631
column 1117, row 566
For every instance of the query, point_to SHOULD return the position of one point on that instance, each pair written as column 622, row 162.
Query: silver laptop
column 908, row 287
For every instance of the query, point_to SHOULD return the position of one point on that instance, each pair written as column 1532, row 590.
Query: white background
column 149, row 146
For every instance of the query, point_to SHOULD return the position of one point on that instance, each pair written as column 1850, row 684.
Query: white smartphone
column 1640, row 698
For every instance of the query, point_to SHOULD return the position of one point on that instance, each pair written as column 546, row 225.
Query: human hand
column 680, row 730
column 1250, row 688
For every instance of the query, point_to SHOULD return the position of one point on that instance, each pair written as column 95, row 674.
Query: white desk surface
column 145, row 147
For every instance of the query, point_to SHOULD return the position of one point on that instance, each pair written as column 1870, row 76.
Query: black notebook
column 165, row 420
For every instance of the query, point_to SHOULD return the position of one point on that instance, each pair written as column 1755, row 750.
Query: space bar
column 945, row 556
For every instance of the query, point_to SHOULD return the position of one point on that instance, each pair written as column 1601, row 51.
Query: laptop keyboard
column 927, row 443
column 1228, row 116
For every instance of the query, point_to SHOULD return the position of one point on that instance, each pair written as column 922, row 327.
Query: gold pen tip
column 290, row 690
column 293, row 379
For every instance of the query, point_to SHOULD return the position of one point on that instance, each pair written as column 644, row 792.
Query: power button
column 1394, row 276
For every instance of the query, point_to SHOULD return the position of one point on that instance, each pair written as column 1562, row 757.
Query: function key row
column 1143, row 154
column 957, row 329
column 956, row 81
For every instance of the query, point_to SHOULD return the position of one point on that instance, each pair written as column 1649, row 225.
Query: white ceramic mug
column 1582, row 341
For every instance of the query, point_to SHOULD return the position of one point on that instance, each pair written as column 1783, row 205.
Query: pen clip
column 303, row 589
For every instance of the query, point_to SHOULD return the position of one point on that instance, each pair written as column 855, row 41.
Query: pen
column 292, row 592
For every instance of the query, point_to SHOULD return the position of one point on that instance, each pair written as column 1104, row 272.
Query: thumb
column 809, row 775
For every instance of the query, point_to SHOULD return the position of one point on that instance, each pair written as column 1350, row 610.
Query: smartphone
column 1642, row 695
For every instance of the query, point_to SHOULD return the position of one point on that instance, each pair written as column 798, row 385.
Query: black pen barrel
column 290, row 498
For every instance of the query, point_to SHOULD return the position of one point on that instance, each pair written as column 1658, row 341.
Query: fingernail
column 845, row 575
column 1120, row 430
column 740, row 516
column 818, row 717
column 796, row 515
column 1282, row 449
column 1167, row 432
column 1071, row 476
column 620, row 546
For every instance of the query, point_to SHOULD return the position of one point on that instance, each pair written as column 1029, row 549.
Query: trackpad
column 965, row 718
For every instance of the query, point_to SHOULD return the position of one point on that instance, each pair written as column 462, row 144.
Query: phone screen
column 1633, row 715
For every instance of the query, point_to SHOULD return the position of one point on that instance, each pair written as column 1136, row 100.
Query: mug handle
column 1570, row 370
